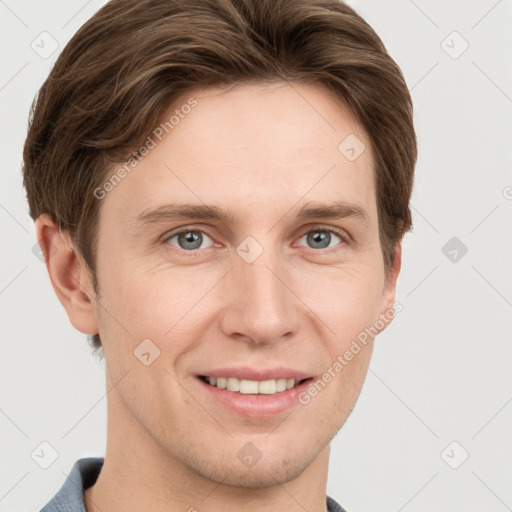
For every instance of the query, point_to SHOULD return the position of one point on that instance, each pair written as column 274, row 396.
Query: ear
column 68, row 274
column 389, row 290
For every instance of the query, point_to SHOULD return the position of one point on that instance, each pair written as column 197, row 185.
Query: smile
column 252, row 387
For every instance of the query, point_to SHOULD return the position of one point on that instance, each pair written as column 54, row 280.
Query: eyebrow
column 186, row 211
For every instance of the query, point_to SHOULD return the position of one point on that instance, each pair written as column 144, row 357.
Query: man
column 220, row 189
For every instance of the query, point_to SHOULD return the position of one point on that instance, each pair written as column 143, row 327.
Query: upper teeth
column 264, row 387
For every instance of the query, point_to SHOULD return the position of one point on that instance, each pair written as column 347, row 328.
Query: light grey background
column 440, row 373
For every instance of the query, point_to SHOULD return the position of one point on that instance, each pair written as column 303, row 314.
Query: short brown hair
column 133, row 58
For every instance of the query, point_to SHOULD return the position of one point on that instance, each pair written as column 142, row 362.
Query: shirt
column 70, row 497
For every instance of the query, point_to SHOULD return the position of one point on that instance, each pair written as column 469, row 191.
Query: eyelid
column 186, row 229
column 344, row 235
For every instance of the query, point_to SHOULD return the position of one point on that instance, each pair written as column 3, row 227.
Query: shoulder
column 70, row 497
column 334, row 506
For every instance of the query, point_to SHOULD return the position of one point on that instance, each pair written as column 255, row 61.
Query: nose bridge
column 260, row 304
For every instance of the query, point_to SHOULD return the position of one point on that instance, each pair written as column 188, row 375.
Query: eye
column 188, row 239
column 321, row 238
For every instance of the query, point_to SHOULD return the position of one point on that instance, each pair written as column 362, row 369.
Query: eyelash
column 341, row 234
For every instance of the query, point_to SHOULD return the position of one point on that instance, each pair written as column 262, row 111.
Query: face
column 261, row 280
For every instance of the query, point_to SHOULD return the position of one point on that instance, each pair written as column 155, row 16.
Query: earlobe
column 68, row 274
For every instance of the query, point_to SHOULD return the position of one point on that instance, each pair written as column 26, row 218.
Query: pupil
column 190, row 238
column 323, row 238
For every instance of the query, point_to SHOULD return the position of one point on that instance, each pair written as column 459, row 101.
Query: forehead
column 252, row 145
column 288, row 120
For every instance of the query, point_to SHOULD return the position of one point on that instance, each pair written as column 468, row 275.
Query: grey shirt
column 70, row 497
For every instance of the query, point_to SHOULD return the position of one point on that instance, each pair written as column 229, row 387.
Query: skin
column 263, row 151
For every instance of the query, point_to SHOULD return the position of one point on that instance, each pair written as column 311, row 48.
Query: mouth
column 253, row 387
column 252, row 398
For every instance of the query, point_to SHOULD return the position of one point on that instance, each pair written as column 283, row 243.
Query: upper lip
column 244, row 372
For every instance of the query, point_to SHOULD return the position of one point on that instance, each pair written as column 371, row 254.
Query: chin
column 273, row 465
column 262, row 475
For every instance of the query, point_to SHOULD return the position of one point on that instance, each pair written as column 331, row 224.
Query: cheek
column 162, row 305
column 346, row 300
column 132, row 292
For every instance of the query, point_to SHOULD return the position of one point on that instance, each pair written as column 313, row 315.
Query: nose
column 261, row 306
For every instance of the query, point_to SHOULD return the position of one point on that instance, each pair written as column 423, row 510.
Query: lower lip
column 256, row 406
